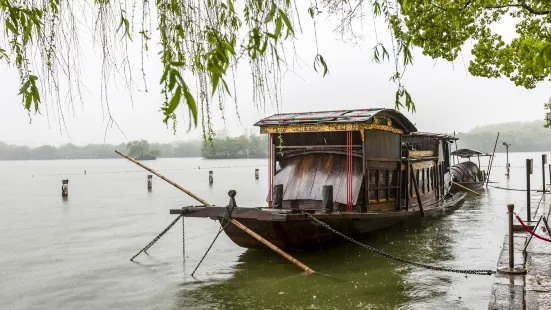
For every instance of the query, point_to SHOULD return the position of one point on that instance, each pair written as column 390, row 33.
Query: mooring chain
column 227, row 219
column 384, row 254
column 183, row 242
column 156, row 238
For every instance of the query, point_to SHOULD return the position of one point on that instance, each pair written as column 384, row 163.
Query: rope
column 530, row 231
column 395, row 258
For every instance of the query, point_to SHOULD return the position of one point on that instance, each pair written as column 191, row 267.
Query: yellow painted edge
column 327, row 128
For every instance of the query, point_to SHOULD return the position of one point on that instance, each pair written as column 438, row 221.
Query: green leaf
column 11, row 27
column 226, row 87
column 27, row 34
column 270, row 15
column 319, row 59
column 165, row 73
column 215, row 80
column 278, row 26
column 28, row 101
column 24, row 87
column 311, row 12
column 36, row 95
column 172, row 79
column 174, row 102
column 191, row 103
column 287, row 23
column 177, row 63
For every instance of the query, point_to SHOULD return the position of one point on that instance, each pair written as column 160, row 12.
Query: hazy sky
column 448, row 98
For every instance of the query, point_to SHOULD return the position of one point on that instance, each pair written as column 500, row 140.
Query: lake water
column 74, row 253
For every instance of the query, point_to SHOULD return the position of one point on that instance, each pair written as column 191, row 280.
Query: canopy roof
column 440, row 136
column 337, row 117
column 466, row 153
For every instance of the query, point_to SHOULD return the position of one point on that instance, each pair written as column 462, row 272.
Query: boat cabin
column 374, row 159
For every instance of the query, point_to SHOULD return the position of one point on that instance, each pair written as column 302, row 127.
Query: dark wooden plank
column 416, row 187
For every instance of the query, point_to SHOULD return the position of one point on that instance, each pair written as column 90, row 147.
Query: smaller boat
column 467, row 173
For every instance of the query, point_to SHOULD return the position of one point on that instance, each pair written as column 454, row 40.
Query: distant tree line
column 523, row 137
column 241, row 147
column 251, row 146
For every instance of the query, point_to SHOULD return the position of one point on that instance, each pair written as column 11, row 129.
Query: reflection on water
column 74, row 253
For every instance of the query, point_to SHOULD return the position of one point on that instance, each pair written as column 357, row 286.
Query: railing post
column 510, row 269
column 529, row 169
column 543, row 162
column 511, row 208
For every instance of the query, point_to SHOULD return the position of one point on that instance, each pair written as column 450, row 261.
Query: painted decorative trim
column 422, row 165
column 328, row 127
column 421, row 153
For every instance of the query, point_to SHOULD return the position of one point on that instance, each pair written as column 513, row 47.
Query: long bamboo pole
column 465, row 188
column 167, row 180
column 233, row 221
column 492, row 160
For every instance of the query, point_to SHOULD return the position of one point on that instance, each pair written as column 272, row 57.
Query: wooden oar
column 233, row 221
column 465, row 188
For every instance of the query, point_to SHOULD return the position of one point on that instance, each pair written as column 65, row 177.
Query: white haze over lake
column 447, row 97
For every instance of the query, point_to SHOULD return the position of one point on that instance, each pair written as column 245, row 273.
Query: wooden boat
column 467, row 173
column 356, row 170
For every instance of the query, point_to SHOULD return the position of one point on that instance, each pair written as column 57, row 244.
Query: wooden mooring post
column 211, row 177
column 64, row 188
column 327, row 198
column 149, row 182
column 256, row 174
column 278, row 196
column 543, row 162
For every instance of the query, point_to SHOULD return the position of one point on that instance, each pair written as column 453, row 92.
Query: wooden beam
column 416, row 187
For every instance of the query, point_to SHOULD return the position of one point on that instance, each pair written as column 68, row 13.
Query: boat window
column 372, row 178
column 383, row 185
column 392, row 178
column 382, row 195
column 383, row 178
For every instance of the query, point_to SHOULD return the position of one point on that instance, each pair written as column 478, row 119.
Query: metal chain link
column 379, row 252
column 184, row 243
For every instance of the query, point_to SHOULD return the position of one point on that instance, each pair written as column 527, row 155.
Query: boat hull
column 293, row 231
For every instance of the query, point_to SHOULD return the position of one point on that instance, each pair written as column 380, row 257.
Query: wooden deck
column 532, row 290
